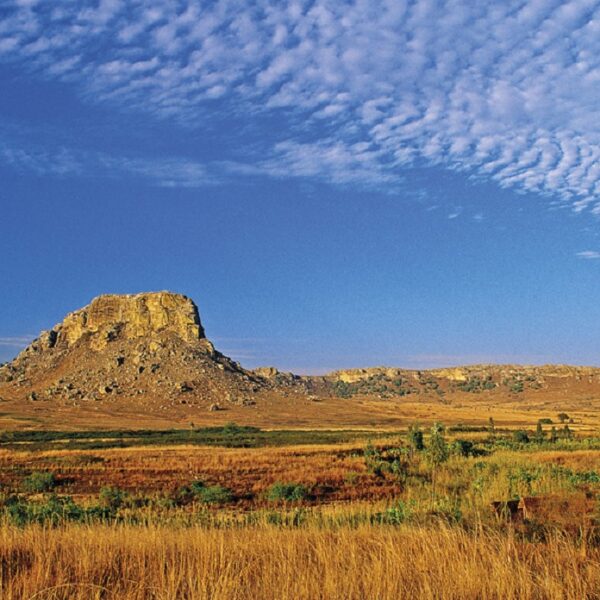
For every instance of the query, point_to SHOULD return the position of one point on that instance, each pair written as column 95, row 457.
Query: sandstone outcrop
column 112, row 317
column 150, row 346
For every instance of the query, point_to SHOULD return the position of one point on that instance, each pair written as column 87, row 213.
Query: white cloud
column 19, row 341
column 589, row 255
column 506, row 91
column 62, row 161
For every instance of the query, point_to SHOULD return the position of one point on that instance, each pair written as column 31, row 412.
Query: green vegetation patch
column 230, row 435
column 287, row 492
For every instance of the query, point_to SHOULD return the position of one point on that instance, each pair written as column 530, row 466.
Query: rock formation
column 112, row 317
column 150, row 346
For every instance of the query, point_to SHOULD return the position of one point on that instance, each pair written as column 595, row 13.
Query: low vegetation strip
column 229, row 436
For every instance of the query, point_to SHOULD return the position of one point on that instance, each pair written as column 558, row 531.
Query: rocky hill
column 144, row 361
column 148, row 346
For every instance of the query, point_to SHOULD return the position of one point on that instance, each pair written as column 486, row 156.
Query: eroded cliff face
column 114, row 317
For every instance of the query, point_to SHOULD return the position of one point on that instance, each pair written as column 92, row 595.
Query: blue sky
column 335, row 184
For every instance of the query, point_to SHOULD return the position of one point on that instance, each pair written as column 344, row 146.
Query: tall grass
column 146, row 563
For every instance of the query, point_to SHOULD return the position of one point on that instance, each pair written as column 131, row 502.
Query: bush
column 343, row 389
column 397, row 514
column 40, row 481
column 287, row 492
column 373, row 460
column 112, row 497
column 415, row 438
column 56, row 510
column 521, row 437
column 463, row 447
column 213, row 494
column 437, row 453
column 232, row 428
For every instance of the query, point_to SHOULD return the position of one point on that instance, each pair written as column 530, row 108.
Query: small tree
column 437, row 453
column 287, row 492
column 492, row 426
column 211, row 494
column 553, row 434
column 112, row 497
column 539, row 433
column 563, row 417
column 373, row 459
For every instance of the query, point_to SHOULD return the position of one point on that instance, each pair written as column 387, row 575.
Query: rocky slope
column 388, row 382
column 149, row 345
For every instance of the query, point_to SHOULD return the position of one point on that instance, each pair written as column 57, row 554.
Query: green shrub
column 344, row 389
column 397, row 514
column 112, row 497
column 373, row 459
column 437, row 453
column 463, row 447
column 212, row 494
column 521, row 437
column 517, row 387
column 477, row 384
column 232, row 428
column 56, row 510
column 40, row 481
column 415, row 438
column 287, row 492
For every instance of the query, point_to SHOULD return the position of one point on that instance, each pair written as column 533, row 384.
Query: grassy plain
column 292, row 410
column 290, row 515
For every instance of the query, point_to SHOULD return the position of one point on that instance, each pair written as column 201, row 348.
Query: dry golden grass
column 81, row 563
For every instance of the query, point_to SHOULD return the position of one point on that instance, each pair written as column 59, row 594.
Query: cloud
column 359, row 91
column 588, row 255
column 19, row 341
column 172, row 171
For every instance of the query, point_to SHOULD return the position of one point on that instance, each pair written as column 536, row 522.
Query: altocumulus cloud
column 507, row 91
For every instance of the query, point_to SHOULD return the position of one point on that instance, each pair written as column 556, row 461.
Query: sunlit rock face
column 112, row 317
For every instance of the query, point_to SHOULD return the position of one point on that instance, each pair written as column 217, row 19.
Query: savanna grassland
column 237, row 512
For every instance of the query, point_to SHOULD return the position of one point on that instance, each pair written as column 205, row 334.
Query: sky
column 336, row 184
